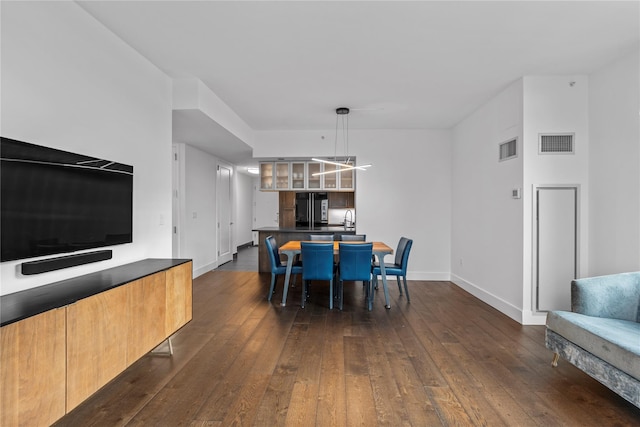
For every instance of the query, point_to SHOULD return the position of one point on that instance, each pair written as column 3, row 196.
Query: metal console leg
column 168, row 352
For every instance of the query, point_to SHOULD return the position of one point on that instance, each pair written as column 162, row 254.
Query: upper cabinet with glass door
column 282, row 176
column 346, row 179
column 314, row 182
column 298, row 175
column 338, row 180
column 331, row 178
column 266, row 176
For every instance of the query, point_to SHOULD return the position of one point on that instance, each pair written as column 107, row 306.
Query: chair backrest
column 272, row 249
column 355, row 261
column 318, row 261
column 402, row 253
column 321, row 237
column 354, row 237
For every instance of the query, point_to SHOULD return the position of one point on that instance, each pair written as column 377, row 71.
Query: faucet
column 346, row 223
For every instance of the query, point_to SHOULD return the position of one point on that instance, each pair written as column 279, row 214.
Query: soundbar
column 58, row 263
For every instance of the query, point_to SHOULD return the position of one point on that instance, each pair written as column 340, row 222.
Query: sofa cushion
column 615, row 296
column 612, row 340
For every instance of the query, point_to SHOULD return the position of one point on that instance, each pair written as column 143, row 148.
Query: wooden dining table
column 292, row 248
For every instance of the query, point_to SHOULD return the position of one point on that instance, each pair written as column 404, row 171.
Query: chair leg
column 331, row 294
column 368, row 294
column 304, row 293
column 273, row 286
column 372, row 286
column 366, row 291
column 406, row 289
column 340, row 293
column 399, row 287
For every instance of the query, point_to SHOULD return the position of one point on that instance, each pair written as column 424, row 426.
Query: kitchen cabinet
column 330, row 179
column 346, row 179
column 32, row 368
column 282, row 176
column 314, row 182
column 341, row 200
column 339, row 180
column 266, row 176
column 287, row 209
column 297, row 175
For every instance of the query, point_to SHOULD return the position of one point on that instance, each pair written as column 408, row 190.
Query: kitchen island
column 284, row 234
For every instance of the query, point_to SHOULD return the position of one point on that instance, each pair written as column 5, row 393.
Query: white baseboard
column 199, row 271
column 428, row 275
column 498, row 303
column 534, row 317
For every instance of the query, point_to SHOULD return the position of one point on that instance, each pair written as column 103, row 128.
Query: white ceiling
column 407, row 65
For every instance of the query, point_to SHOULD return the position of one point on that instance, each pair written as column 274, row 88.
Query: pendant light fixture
column 341, row 113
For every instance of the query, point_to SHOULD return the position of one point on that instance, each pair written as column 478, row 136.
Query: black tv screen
column 53, row 201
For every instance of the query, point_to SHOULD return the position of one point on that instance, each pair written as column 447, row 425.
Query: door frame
column 224, row 258
column 535, row 237
column 177, row 198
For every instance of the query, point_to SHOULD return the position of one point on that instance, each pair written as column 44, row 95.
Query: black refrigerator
column 312, row 210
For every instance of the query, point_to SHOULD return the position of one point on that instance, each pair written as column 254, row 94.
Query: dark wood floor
column 444, row 359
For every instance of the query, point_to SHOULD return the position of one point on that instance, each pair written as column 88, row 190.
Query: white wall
column 493, row 233
column 487, row 224
column 553, row 105
column 70, row 84
column 197, row 218
column 407, row 191
column 614, row 172
column 243, row 198
column 265, row 209
column 198, row 234
column 191, row 93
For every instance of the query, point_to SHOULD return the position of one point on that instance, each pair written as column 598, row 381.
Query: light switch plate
column 515, row 193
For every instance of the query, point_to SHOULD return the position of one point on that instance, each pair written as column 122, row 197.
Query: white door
column 175, row 217
column 225, row 253
column 556, row 246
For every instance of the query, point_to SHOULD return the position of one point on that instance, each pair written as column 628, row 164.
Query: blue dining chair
column 277, row 266
column 321, row 237
column 325, row 238
column 398, row 268
column 317, row 265
column 353, row 237
column 355, row 264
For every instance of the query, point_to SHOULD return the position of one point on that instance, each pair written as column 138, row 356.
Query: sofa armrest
column 616, row 296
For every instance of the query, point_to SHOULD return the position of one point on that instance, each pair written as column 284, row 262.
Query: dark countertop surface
column 319, row 230
column 27, row 303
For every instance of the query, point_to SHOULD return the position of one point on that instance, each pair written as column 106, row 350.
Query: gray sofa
column 601, row 333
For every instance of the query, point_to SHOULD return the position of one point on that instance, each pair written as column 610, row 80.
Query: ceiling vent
column 559, row 143
column 508, row 150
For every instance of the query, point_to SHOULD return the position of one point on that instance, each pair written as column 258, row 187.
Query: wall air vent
column 508, row 150
column 559, row 143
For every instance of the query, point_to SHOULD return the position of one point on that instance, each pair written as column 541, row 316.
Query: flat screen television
column 54, row 201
